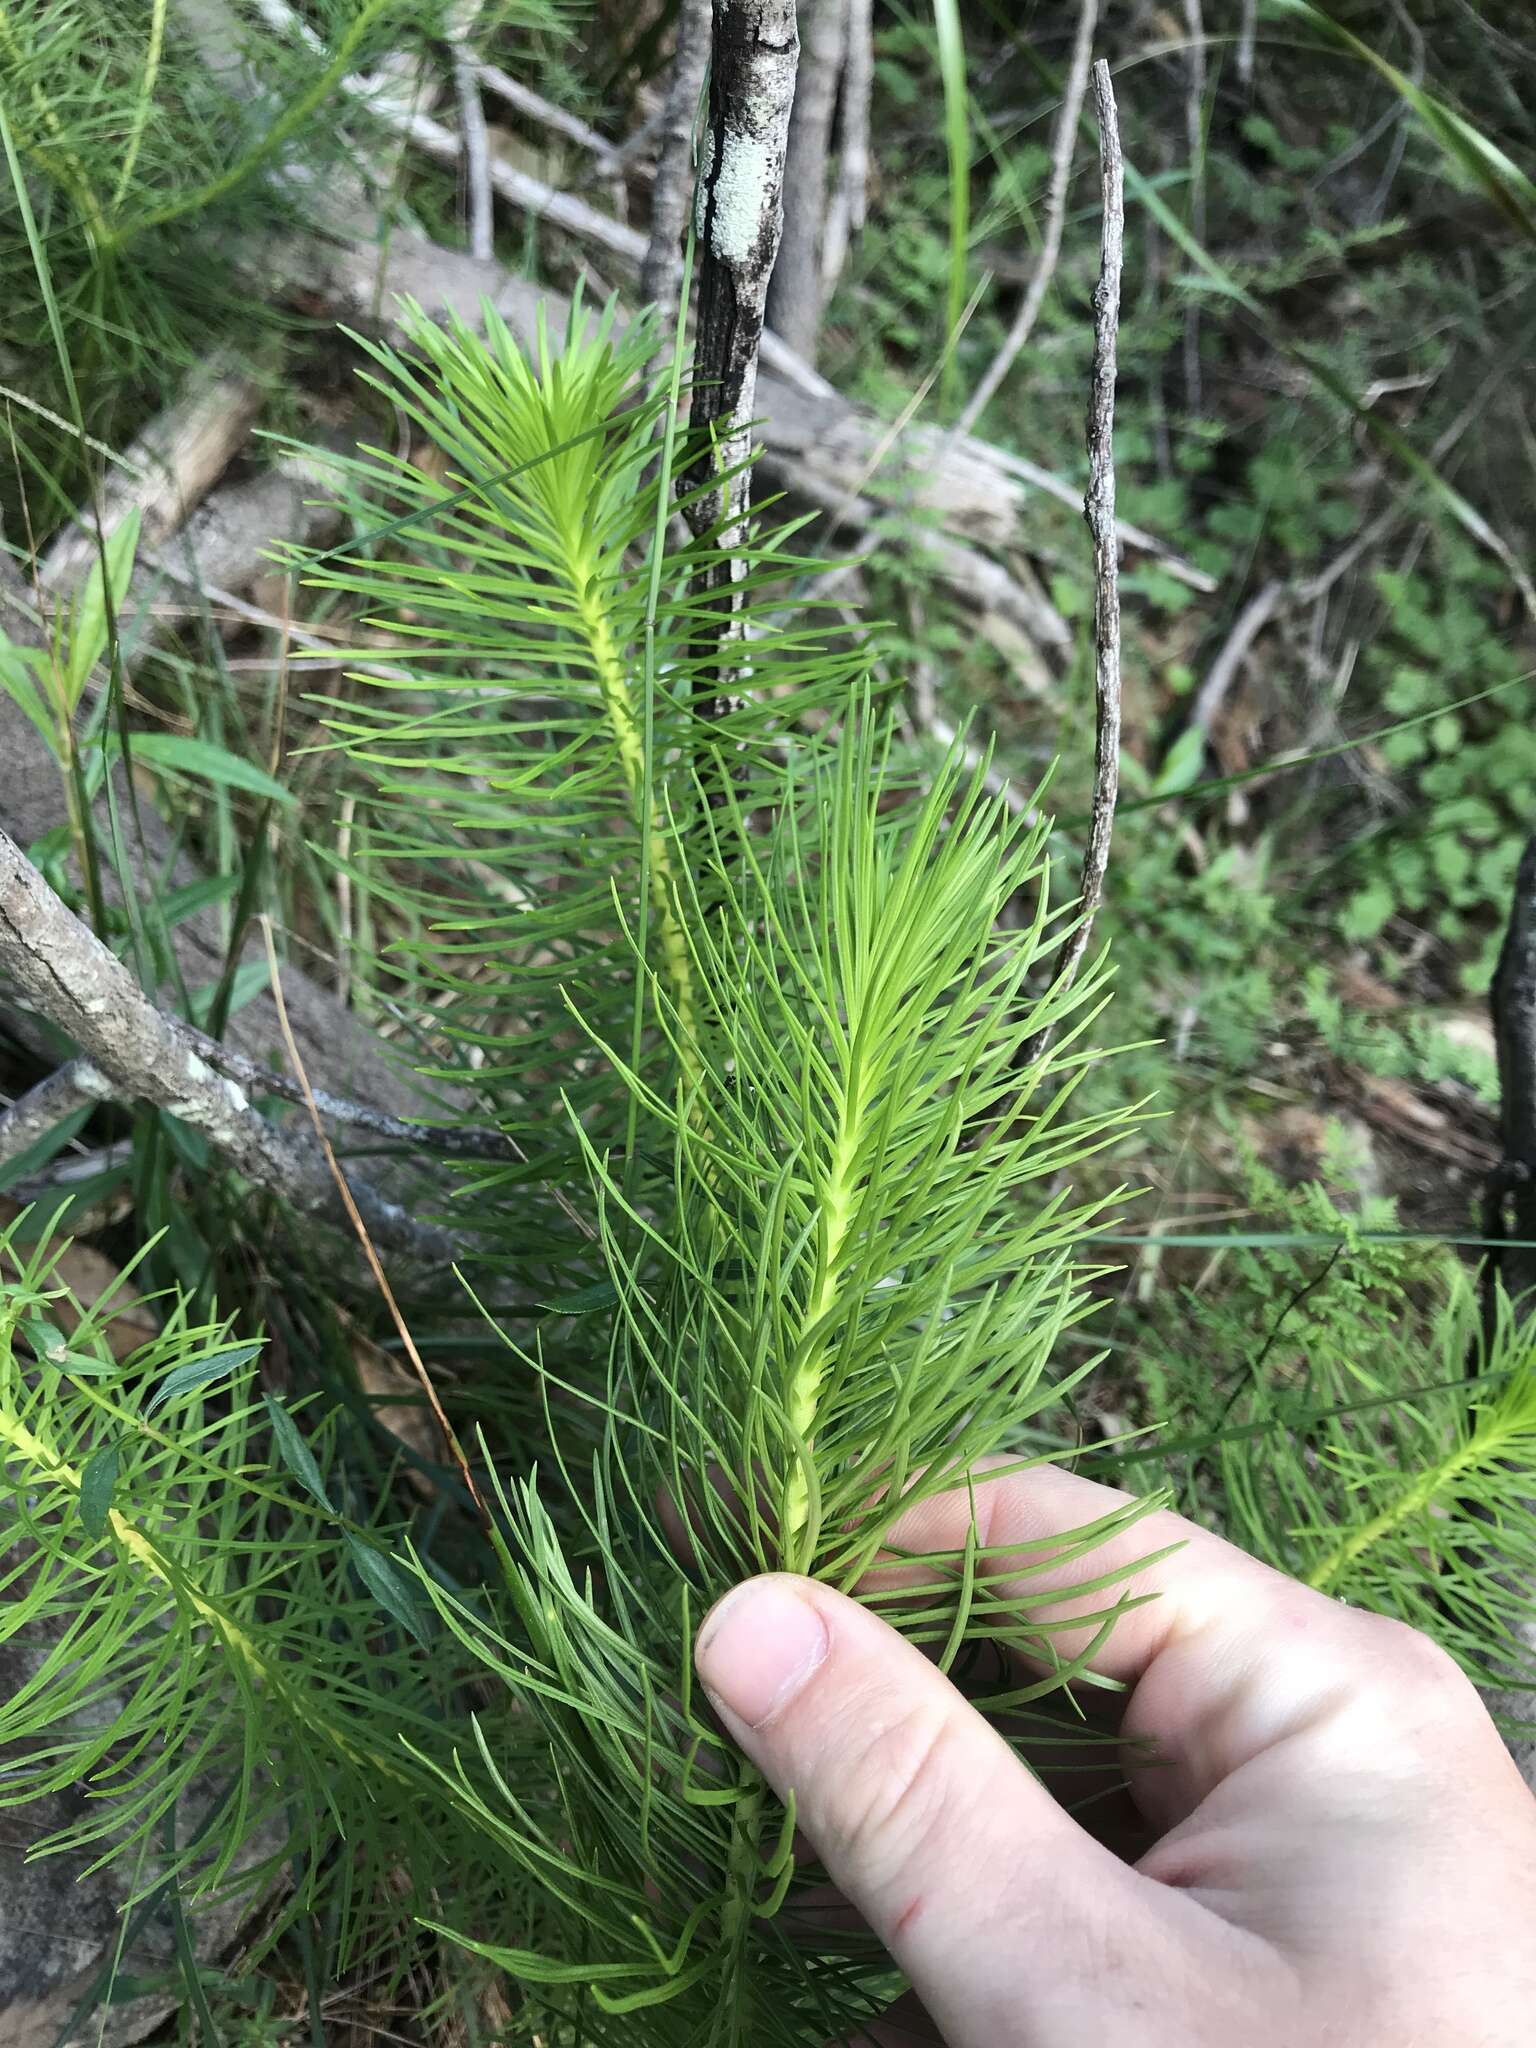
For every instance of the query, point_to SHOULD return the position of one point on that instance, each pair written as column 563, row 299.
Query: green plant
column 739, row 994
column 1350, row 1411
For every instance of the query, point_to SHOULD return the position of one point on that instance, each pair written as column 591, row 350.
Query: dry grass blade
column 375, row 1265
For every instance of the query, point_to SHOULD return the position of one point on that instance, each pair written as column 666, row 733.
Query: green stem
column 744, row 1871
column 630, row 740
column 24, row 1443
column 1482, row 1445
column 146, row 98
column 60, row 163
column 838, row 1195
column 282, row 128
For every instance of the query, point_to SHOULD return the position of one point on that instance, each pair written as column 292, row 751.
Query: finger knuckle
column 898, row 1791
column 1409, row 1657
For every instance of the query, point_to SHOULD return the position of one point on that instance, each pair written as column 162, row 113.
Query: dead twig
column 168, row 470
column 1099, row 511
column 1222, row 673
column 558, row 120
column 1194, row 127
column 1052, row 486
column 472, row 130
column 76, row 1085
column 354, row 1212
column 454, row 1142
column 1511, row 1201
column 1063, row 142
column 1247, row 30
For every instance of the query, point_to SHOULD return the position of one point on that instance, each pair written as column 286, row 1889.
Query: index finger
column 1225, row 1654
column 1032, row 1533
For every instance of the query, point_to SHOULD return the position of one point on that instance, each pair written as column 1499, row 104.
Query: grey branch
column 1099, row 510
column 1222, row 673
column 849, row 205
column 457, row 1141
column 171, row 467
column 738, row 213
column 65, row 972
column 1194, row 125
column 795, row 292
column 559, row 120
column 1062, row 144
column 1247, row 29
column 661, row 272
column 33, row 1115
column 472, row 129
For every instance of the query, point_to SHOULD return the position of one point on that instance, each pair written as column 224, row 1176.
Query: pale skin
column 1342, row 1853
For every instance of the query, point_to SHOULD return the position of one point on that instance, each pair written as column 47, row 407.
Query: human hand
column 1344, row 1851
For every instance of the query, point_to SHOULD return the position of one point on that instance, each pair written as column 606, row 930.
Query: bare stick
column 559, row 120
column 472, row 129
column 661, row 272
column 739, row 212
column 1247, row 30
column 849, row 205
column 33, row 1115
column 1194, row 126
column 467, row 1142
column 1222, row 673
column 1512, row 1004
column 1099, row 510
column 1062, row 144
column 85, row 991
column 795, row 292
column 1052, row 486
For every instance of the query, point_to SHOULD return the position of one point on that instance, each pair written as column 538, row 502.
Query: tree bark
column 738, row 211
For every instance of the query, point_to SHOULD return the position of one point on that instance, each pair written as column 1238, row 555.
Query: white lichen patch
column 740, row 188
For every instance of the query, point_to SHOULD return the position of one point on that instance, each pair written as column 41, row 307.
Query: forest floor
column 1325, row 463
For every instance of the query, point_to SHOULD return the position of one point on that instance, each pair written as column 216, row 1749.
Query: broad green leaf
column 1181, row 770
column 89, row 629
column 182, row 754
column 97, row 1483
column 51, row 1347
column 47, row 1343
column 17, row 665
column 250, row 979
column 586, row 1301
column 177, row 904
column 199, row 1373
column 295, row 1453
column 387, row 1586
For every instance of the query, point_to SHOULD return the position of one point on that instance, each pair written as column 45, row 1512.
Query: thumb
column 995, row 1903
